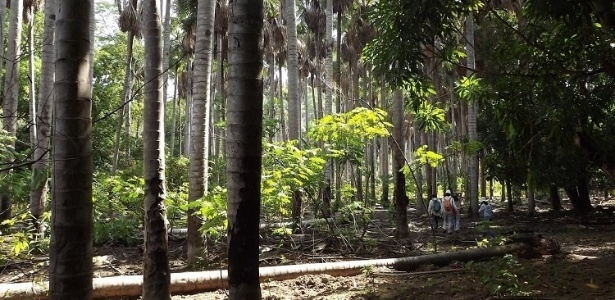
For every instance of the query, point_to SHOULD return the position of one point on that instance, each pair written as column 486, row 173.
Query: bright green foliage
column 471, row 89
column 501, row 276
column 405, row 27
column 212, row 210
column 118, row 209
column 26, row 241
column 424, row 156
column 287, row 168
column 430, row 118
column 345, row 133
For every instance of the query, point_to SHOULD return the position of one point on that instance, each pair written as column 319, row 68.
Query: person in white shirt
column 485, row 210
column 449, row 211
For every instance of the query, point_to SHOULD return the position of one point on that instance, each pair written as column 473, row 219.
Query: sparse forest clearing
column 303, row 149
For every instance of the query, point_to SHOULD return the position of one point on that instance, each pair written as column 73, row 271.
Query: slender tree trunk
column 2, row 30
column 166, row 50
column 199, row 156
column 70, row 254
column 244, row 147
column 31, row 83
column 125, row 98
column 40, row 168
column 472, row 111
column 174, row 115
column 156, row 270
column 384, row 154
column 284, row 123
column 293, row 93
column 531, row 201
column 510, row 202
column 187, row 131
column 401, row 199
column 11, row 92
column 556, row 201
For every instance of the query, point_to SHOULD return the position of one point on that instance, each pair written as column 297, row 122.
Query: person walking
column 435, row 211
column 450, row 210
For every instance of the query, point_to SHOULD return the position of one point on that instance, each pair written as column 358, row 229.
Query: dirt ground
column 582, row 270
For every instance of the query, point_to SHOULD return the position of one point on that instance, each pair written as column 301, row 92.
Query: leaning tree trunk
column 40, row 171
column 70, row 253
column 199, row 155
column 399, row 193
column 156, row 270
column 472, row 131
column 244, row 147
column 11, row 94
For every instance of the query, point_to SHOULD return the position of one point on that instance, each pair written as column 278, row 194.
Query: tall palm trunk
column 401, row 199
column 70, row 254
column 174, row 115
column 40, row 169
column 293, row 93
column 188, row 108
column 472, row 111
column 199, row 155
column 11, row 91
column 244, row 147
column 166, row 49
column 156, row 270
column 125, row 100
column 326, row 193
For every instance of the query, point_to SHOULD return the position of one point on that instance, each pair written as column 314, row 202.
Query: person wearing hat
column 485, row 209
column 450, row 210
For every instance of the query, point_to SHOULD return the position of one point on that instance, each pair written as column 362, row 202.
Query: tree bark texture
column 156, row 270
column 70, row 254
column 399, row 193
column 199, row 154
column 244, row 146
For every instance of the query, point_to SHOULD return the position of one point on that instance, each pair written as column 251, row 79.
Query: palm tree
column 156, row 270
column 40, row 169
column 244, row 147
column 199, row 154
column 472, row 110
column 129, row 22
column 293, row 92
column 11, row 90
column 70, row 254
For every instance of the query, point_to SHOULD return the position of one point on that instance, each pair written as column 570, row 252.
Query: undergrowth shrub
column 118, row 209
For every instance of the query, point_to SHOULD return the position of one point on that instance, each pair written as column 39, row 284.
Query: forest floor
column 582, row 270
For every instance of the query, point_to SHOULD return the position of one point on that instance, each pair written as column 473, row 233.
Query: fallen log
column 197, row 282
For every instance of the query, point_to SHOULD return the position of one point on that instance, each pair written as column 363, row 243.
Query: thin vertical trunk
column 31, row 83
column 244, row 147
column 509, row 193
column 174, row 115
column 293, row 93
column 70, row 253
column 40, row 168
column 531, row 202
column 472, row 111
column 401, row 199
column 166, row 50
column 125, row 100
column 338, row 62
column 187, row 129
column 556, row 201
column 156, row 270
column 2, row 30
column 11, row 91
column 283, row 121
column 199, row 156
column 384, row 154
